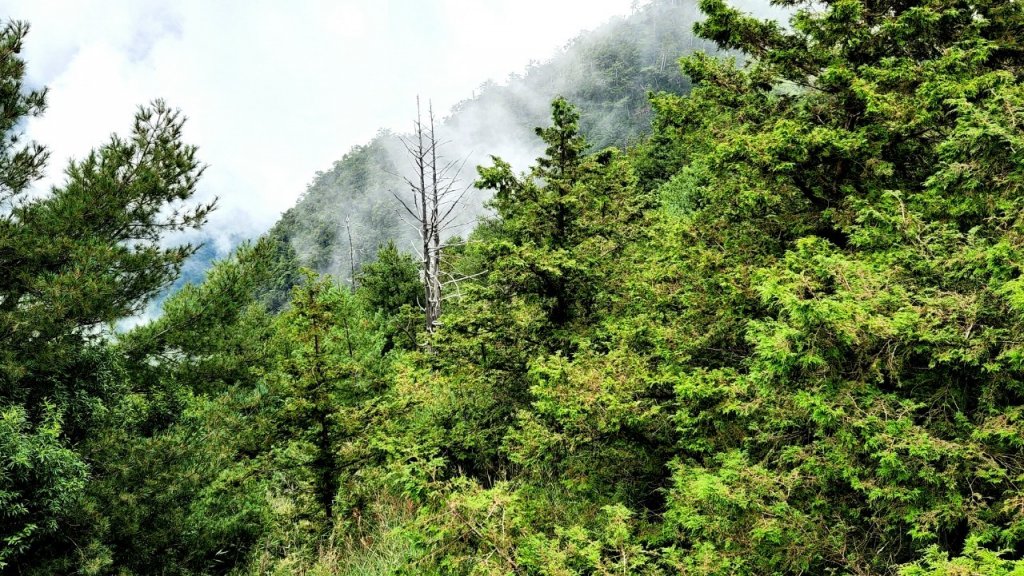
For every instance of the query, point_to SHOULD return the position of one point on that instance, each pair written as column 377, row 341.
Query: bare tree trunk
column 435, row 197
column 351, row 255
column 435, row 227
column 426, row 228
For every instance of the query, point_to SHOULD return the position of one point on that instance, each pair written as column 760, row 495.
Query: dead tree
column 351, row 255
column 436, row 194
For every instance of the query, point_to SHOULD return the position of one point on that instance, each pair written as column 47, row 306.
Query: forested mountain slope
column 349, row 210
column 780, row 335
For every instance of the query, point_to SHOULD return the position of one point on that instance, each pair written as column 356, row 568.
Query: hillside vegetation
column 349, row 211
column 779, row 335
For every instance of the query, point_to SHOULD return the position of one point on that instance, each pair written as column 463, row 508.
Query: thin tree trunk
column 351, row 255
column 435, row 226
column 425, row 228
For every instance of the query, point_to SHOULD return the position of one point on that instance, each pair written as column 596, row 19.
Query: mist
column 276, row 97
column 273, row 92
column 606, row 72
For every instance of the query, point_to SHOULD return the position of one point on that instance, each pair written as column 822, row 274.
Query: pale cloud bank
column 275, row 91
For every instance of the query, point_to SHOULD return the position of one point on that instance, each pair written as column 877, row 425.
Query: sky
column 274, row 90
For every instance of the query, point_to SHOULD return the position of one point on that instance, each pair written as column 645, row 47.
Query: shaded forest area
column 779, row 334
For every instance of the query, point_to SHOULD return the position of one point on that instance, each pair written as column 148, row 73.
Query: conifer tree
column 538, row 210
column 844, row 257
column 330, row 354
column 75, row 260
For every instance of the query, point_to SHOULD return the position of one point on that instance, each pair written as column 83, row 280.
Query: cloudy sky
column 275, row 90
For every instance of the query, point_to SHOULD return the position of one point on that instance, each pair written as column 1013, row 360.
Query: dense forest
column 778, row 332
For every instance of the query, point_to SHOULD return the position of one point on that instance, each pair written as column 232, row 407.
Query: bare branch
column 436, row 193
column 402, row 202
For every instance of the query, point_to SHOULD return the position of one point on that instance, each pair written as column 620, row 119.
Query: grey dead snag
column 435, row 195
column 351, row 255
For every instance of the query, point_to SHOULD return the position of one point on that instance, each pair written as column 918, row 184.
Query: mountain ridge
column 607, row 72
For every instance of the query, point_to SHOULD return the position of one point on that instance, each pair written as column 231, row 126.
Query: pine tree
column 75, row 260
column 389, row 287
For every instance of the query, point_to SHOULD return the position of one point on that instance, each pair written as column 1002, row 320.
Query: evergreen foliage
column 75, row 260
column 778, row 336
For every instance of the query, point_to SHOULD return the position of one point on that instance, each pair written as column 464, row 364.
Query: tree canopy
column 780, row 335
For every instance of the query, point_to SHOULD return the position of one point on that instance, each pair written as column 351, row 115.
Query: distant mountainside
column 350, row 210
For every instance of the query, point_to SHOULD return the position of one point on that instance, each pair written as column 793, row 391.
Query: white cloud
column 275, row 91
